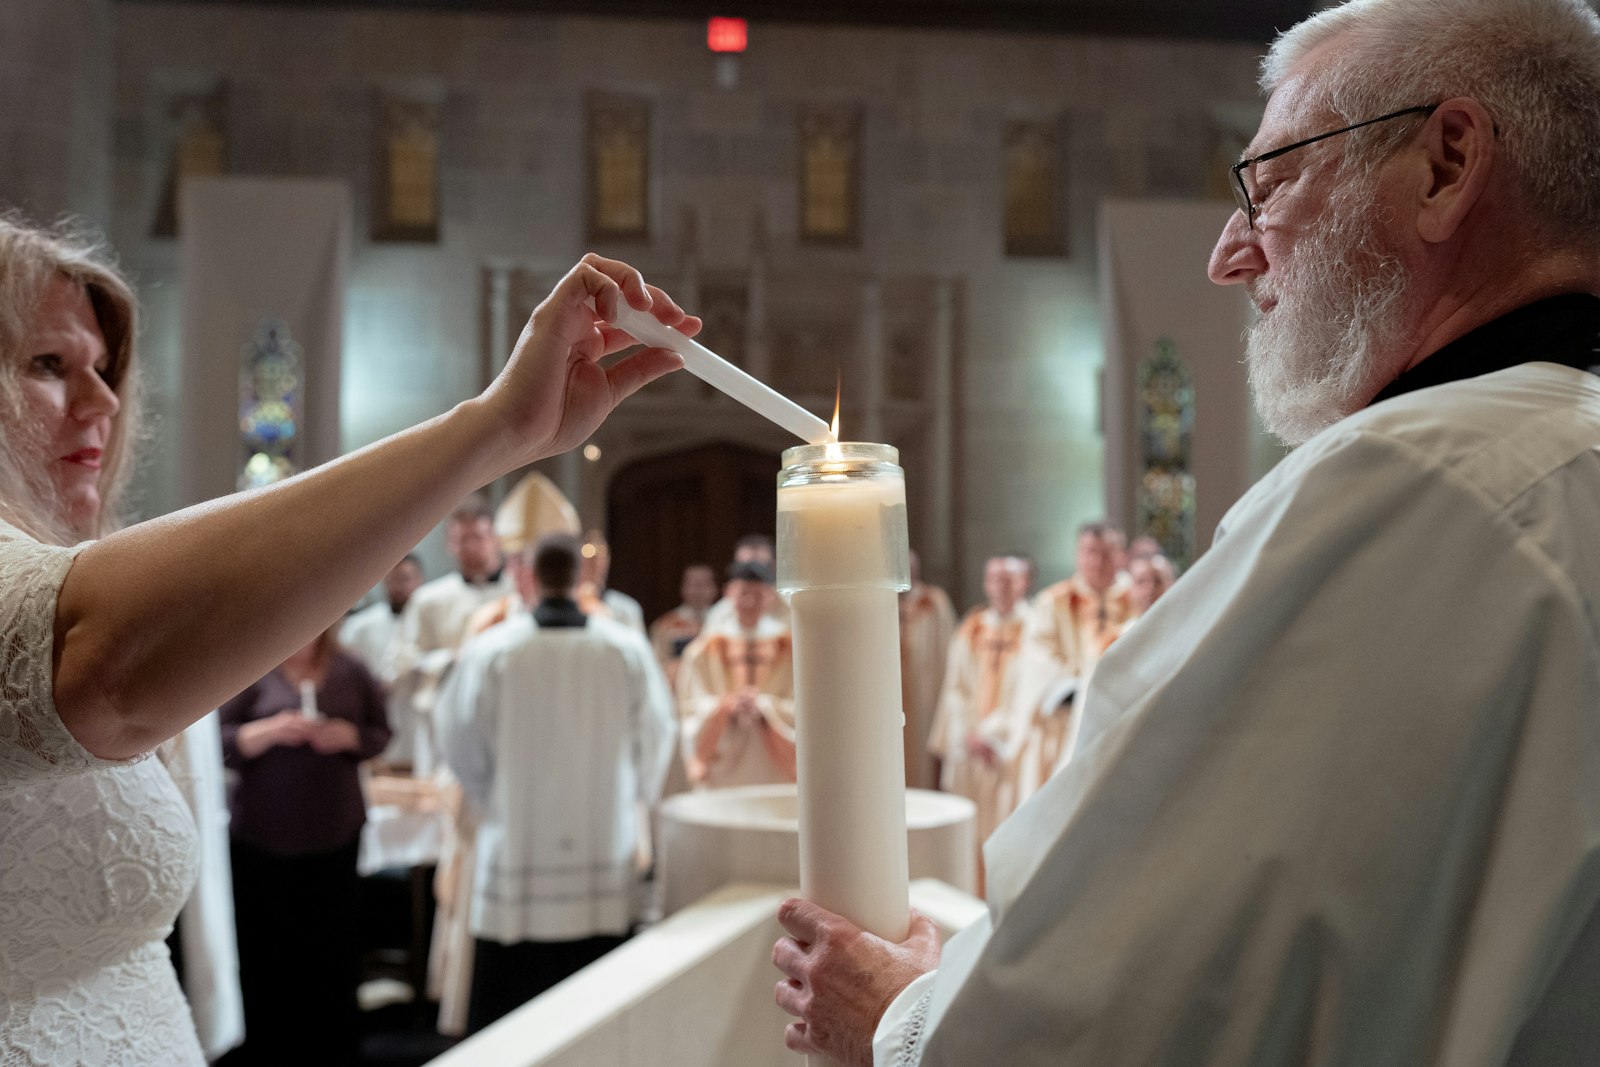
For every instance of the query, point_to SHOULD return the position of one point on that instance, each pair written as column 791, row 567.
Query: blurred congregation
column 449, row 801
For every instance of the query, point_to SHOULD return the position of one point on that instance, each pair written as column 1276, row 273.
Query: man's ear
column 1459, row 145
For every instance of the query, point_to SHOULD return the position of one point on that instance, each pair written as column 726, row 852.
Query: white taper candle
column 842, row 562
column 723, row 376
column 308, row 699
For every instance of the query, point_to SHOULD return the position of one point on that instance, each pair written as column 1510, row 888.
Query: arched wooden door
column 668, row 511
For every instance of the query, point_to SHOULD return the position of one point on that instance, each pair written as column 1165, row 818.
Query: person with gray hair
column 114, row 640
column 1335, row 798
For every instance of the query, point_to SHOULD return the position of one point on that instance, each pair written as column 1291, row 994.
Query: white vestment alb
column 1337, row 796
column 432, row 627
column 559, row 737
column 927, row 622
column 374, row 636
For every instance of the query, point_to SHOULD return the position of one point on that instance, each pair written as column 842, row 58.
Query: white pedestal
column 718, row 836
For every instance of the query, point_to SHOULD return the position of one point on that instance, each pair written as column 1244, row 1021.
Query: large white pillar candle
column 842, row 563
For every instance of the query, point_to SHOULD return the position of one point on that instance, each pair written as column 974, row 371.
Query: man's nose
column 1238, row 256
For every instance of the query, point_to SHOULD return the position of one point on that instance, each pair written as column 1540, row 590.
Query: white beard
column 1318, row 355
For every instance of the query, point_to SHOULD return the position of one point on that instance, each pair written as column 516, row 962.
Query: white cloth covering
column 210, row 944
column 96, row 858
column 559, row 737
column 1337, row 797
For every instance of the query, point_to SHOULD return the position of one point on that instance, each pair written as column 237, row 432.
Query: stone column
column 757, row 347
column 941, row 496
column 872, row 361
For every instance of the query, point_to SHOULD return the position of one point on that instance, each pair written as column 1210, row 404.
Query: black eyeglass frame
column 1242, row 195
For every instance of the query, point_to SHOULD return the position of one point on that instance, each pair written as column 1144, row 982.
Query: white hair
column 1533, row 64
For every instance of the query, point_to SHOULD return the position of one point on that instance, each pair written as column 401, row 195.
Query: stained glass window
column 1164, row 500
column 270, row 388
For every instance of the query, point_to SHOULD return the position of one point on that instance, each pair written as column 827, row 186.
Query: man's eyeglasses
column 1242, row 194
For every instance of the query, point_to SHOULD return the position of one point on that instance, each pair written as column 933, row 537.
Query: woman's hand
column 287, row 729
column 328, row 736
column 554, row 392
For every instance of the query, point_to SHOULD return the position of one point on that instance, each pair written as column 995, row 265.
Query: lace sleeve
column 898, row 1041
column 33, row 742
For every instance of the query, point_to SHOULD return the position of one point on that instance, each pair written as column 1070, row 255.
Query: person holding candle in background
column 736, row 693
column 1334, row 801
column 296, row 739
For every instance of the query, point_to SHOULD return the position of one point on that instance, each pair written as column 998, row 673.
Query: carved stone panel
column 405, row 204
column 1035, row 223
column 196, row 133
column 830, row 174
column 618, row 150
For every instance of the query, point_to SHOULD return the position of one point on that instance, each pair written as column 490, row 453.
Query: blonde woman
column 107, row 651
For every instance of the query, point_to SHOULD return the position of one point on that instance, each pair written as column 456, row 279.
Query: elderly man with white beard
column 1337, row 796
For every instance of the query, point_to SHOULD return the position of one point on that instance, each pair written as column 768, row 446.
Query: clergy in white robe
column 373, row 635
column 559, row 726
column 1070, row 626
column 1337, row 800
column 926, row 622
column 672, row 632
column 595, row 597
column 736, row 694
column 751, row 548
column 980, row 671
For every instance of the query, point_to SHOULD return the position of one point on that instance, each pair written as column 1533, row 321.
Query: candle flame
column 838, row 396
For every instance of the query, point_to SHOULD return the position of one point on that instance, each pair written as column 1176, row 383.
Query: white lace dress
column 96, row 858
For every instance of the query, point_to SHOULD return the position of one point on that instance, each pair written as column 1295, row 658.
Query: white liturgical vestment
column 560, row 737
column 1337, row 796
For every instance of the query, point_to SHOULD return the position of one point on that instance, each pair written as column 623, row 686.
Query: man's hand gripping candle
column 841, row 978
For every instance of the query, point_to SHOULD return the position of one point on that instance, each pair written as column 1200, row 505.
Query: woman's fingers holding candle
column 840, row 979
column 554, row 392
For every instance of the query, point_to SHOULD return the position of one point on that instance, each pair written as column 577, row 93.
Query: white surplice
column 1337, row 796
column 375, row 637
column 432, row 627
column 927, row 622
column 559, row 737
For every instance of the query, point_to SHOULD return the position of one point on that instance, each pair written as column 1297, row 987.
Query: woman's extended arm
column 162, row 621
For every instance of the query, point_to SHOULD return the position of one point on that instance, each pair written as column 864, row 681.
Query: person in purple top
column 297, row 813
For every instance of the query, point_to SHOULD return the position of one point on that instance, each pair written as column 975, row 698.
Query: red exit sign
column 726, row 35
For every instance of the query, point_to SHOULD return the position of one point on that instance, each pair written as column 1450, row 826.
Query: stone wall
column 1141, row 118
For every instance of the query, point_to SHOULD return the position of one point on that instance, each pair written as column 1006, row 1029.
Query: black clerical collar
column 1560, row 329
column 488, row 579
column 559, row 612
